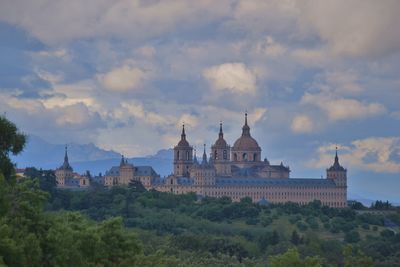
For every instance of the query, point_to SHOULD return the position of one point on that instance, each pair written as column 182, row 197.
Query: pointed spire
column 336, row 157
column 246, row 128
column 204, row 156
column 221, row 133
column 66, row 165
column 122, row 161
column 66, row 155
column 183, row 135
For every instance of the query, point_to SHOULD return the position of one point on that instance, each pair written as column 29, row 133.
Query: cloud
column 270, row 47
column 302, row 124
column 67, row 20
column 378, row 154
column 355, row 28
column 123, row 78
column 233, row 77
column 343, row 108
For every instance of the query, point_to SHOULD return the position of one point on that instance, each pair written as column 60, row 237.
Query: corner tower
column 220, row 153
column 183, row 156
column 337, row 173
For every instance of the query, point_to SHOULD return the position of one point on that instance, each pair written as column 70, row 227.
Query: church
column 239, row 172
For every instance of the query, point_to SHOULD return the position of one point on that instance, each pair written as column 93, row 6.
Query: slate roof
column 223, row 181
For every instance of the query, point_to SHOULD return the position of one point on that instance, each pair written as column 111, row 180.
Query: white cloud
column 379, row 154
column 343, row 108
column 302, row 124
column 123, row 78
column 234, row 77
column 353, row 28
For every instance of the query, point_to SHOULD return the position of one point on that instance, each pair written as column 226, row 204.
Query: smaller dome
column 220, row 141
column 183, row 142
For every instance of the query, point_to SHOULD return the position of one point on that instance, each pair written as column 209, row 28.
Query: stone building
column 67, row 178
column 127, row 172
column 239, row 172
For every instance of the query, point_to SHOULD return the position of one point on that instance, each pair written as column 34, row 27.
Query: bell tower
column 220, row 154
column 183, row 156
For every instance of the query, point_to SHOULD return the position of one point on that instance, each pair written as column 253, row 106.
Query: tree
column 292, row 258
column 295, row 239
column 355, row 258
column 11, row 141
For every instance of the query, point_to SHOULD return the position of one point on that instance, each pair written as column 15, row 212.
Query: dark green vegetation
column 128, row 226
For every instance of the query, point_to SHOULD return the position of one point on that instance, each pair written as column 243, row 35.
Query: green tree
column 355, row 258
column 11, row 141
column 292, row 258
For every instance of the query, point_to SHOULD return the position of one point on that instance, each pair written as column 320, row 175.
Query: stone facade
column 127, row 172
column 239, row 172
column 67, row 178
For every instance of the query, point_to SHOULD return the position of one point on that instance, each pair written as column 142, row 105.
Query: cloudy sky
column 126, row 74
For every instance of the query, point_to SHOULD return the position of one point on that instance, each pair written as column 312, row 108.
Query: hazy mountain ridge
column 41, row 154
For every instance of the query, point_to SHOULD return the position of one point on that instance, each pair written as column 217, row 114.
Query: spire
column 122, row 161
column 336, row 158
column 183, row 135
column 221, row 133
column 246, row 128
column 66, row 156
column 195, row 157
column 204, row 156
column 66, row 165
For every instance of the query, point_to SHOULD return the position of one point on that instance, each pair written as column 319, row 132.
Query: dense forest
column 41, row 225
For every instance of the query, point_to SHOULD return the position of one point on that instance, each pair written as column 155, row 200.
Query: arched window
column 245, row 156
column 225, row 155
column 235, row 157
column 187, row 155
column 177, row 154
column 215, row 154
column 255, row 157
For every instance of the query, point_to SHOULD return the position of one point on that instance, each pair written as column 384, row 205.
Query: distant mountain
column 41, row 154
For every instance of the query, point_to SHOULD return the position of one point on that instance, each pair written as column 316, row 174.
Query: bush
column 352, row 237
column 302, row 226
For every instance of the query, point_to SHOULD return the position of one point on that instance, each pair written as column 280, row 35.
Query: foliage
column 292, row 258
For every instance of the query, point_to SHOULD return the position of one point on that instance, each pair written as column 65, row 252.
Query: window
column 177, row 155
column 235, row 157
column 225, row 155
column 215, row 154
column 255, row 157
column 245, row 156
column 187, row 155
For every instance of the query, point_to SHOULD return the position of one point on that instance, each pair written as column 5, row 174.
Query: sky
column 125, row 75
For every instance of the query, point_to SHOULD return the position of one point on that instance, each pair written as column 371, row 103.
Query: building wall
column 329, row 196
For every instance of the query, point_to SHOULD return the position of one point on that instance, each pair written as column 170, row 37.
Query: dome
column 183, row 142
column 246, row 143
column 220, row 141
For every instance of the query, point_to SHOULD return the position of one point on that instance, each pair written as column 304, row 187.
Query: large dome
column 246, row 142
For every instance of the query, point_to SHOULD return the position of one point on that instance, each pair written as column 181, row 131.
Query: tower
column 337, row 173
column 183, row 156
column 220, row 154
column 65, row 171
